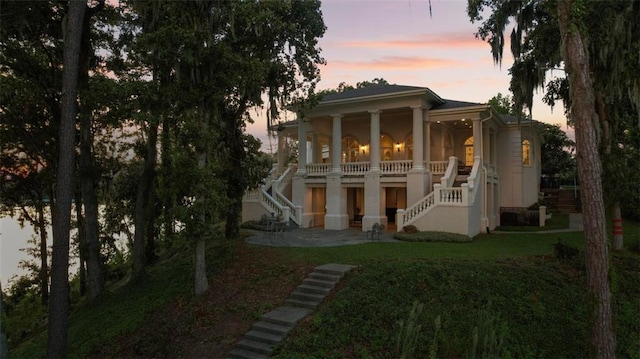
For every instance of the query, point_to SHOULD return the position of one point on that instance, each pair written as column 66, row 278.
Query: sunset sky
column 399, row 41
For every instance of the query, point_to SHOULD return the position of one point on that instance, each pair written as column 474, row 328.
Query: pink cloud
column 397, row 63
column 423, row 41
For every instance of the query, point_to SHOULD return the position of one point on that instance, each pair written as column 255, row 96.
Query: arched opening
column 350, row 149
column 526, row 153
column 386, row 148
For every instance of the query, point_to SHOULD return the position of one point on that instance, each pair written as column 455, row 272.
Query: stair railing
column 452, row 171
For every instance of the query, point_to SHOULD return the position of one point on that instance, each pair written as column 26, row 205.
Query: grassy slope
column 159, row 318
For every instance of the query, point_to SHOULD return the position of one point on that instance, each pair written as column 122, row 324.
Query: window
column 350, row 148
column 526, row 153
column 386, row 147
column 468, row 152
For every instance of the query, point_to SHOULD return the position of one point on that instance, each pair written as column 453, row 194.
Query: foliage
column 408, row 332
column 488, row 336
column 564, row 251
column 431, row 236
column 526, row 295
column 556, row 152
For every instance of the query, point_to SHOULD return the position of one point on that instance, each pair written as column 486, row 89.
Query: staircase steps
column 274, row 326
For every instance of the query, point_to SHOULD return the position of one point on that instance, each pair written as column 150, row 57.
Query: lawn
column 159, row 317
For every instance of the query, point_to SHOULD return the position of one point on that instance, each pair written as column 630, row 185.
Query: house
column 401, row 155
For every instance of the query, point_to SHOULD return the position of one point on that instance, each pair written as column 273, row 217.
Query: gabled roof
column 451, row 104
column 373, row 90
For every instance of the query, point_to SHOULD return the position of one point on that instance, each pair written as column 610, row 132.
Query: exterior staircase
column 274, row 326
column 567, row 201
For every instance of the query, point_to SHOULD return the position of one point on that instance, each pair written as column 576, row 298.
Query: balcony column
column 336, row 143
column 302, row 146
column 374, row 146
column 427, row 140
column 316, row 148
column 417, row 177
column 418, row 140
column 336, row 194
column 477, row 138
column 281, row 159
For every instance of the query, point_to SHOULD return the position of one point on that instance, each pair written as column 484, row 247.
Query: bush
column 429, row 236
column 410, row 229
column 564, row 251
column 516, row 216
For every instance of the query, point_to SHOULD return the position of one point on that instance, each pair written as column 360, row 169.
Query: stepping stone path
column 275, row 325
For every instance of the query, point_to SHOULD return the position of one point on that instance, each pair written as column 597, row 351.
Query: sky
column 399, row 41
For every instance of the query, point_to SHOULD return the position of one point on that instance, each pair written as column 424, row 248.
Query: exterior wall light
column 398, row 146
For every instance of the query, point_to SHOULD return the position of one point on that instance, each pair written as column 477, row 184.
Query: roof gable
column 372, row 90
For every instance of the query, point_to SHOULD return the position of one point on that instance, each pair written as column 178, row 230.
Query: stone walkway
column 275, row 325
column 316, row 237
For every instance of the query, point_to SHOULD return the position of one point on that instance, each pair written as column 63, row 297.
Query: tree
column 535, row 49
column 59, row 304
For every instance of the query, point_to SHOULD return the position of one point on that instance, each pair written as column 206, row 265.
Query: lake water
column 13, row 238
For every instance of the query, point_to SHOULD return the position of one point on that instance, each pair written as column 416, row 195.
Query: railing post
column 400, row 219
column 436, row 193
column 286, row 214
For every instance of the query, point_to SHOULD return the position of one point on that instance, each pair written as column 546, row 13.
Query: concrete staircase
column 274, row 326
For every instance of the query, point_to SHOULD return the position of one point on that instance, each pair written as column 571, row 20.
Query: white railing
column 273, row 206
column 283, row 181
column 474, row 177
column 294, row 211
column 452, row 171
column 407, row 216
column 355, row 168
column 395, row 167
column 451, row 195
column 318, row 169
column 438, row 167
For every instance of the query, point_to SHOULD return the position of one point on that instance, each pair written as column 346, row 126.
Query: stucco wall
column 252, row 211
column 510, row 167
column 452, row 219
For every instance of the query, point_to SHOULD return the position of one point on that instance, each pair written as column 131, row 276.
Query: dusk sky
column 399, row 41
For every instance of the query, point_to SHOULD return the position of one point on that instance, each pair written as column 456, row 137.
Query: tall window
column 468, row 152
column 526, row 153
column 386, row 148
column 350, row 148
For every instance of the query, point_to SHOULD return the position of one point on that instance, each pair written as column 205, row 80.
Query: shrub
column 564, row 251
column 410, row 229
column 430, row 236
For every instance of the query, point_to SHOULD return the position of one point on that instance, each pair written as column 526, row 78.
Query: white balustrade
column 355, row 168
column 318, row 169
column 395, row 167
column 438, row 167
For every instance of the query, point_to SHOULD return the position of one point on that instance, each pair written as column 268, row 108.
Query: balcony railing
column 361, row 168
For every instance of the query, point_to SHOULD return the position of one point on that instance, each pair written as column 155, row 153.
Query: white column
column 494, row 149
column 427, row 139
column 486, row 146
column 418, row 147
column 336, row 143
column 280, row 152
column 374, row 148
column 477, row 138
column 302, row 146
column 316, row 148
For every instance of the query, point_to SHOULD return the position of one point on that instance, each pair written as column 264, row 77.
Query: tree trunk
column 90, row 204
column 581, row 90
column 201, row 282
column 167, row 172
column 143, row 197
column 59, row 299
column 43, row 276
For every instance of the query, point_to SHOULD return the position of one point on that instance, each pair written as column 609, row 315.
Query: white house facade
column 397, row 156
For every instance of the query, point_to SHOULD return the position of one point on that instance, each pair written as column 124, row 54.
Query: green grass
column 454, row 280
column 486, row 247
column 430, row 236
column 557, row 221
column 540, row 301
